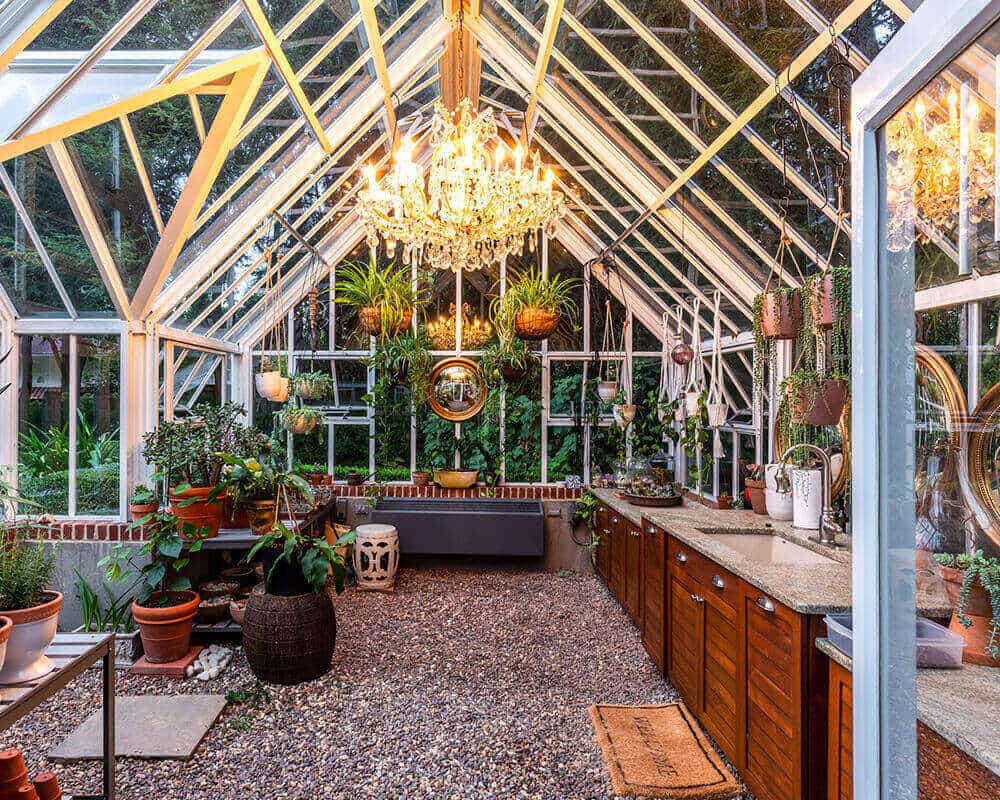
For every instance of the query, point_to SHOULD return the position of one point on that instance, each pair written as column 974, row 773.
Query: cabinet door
column 618, row 537
column 775, row 749
column 720, row 676
column 840, row 763
column 686, row 637
column 654, row 556
column 633, row 573
column 602, row 559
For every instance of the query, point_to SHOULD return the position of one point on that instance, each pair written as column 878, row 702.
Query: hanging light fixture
column 475, row 331
column 478, row 202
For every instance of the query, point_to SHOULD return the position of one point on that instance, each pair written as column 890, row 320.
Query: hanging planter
column 284, row 389
column 607, row 390
column 370, row 319
column 534, row 324
column 781, row 313
column 533, row 306
column 385, row 299
column 818, row 402
column 313, row 386
column 268, row 384
column 822, row 301
column 691, row 400
column 718, row 413
column 623, row 413
column 300, row 421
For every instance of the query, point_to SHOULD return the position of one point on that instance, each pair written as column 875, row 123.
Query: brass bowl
column 456, row 478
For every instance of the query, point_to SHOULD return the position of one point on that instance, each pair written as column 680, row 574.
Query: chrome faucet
column 829, row 528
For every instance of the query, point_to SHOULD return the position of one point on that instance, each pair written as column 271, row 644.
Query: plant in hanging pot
column 165, row 604
column 533, row 306
column 272, row 380
column 507, row 364
column 28, row 602
column 313, row 385
column 143, row 502
column 622, row 411
column 780, row 313
column 829, row 296
column 403, row 360
column 385, row 299
column 289, row 629
column 815, row 399
column 300, row 420
column 254, row 485
column 973, row 585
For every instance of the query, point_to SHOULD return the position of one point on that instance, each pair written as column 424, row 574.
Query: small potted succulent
column 533, row 305
column 165, row 604
column 385, row 299
column 289, row 628
column 254, row 486
column 28, row 603
column 973, row 585
column 300, row 420
column 313, row 385
column 143, row 503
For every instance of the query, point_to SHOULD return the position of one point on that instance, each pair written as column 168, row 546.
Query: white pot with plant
column 807, row 498
column 26, row 570
column 779, row 504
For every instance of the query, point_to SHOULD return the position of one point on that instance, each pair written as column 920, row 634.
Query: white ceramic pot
column 624, row 413
column 779, row 506
column 807, row 498
column 607, row 390
column 268, row 384
column 717, row 414
column 5, row 627
column 33, row 631
column 691, row 403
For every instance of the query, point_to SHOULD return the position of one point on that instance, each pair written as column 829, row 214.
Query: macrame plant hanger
column 696, row 369
column 609, row 369
column 677, row 389
column 270, row 383
column 667, row 377
column 715, row 403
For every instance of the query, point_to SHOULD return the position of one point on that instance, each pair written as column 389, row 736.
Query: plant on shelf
column 507, row 363
column 313, row 385
column 255, row 485
column 385, row 299
column 165, row 604
column 533, row 306
column 26, row 571
column 299, row 420
column 973, row 584
column 143, row 502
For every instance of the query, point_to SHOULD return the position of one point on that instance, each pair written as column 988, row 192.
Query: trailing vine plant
column 976, row 566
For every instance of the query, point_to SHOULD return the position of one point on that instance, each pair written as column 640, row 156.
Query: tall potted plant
column 533, row 306
column 165, row 604
column 28, row 602
column 290, row 629
column 385, row 299
column 973, row 584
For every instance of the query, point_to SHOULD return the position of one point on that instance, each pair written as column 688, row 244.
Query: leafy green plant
column 155, row 567
column 313, row 385
column 390, row 291
column 503, row 358
column 142, row 495
column 531, row 289
column 114, row 614
column 42, row 451
column 314, row 557
column 695, row 438
column 292, row 416
column 401, row 360
column 977, row 567
column 26, row 569
column 248, row 479
column 583, row 514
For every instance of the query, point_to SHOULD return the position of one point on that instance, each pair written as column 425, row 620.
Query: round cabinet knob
column 718, row 583
column 651, row 529
column 766, row 604
column 614, row 520
column 682, row 558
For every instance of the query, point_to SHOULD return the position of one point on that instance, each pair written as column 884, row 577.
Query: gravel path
column 460, row 686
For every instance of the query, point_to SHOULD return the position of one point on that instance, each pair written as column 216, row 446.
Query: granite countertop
column 960, row 705
column 806, row 588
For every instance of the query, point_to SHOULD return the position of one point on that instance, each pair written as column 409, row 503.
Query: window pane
column 97, row 435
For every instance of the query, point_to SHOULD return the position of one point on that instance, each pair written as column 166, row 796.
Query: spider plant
column 532, row 290
column 385, row 298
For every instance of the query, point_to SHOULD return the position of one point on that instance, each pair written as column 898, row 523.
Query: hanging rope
column 718, row 410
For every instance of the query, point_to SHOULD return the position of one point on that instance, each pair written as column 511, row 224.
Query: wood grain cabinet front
column 722, row 673
column 686, row 637
column 654, row 593
column 633, row 573
column 602, row 558
column 618, row 536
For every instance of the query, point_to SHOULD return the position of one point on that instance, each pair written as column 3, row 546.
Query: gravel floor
column 462, row 685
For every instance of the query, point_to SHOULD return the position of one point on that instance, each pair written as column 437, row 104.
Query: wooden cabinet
column 618, row 536
column 654, row 593
column 633, row 572
column 840, row 749
column 721, row 672
column 602, row 558
column 686, row 637
column 775, row 698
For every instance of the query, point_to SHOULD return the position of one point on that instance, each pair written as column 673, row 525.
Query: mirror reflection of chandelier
column 924, row 172
column 475, row 332
column 478, row 203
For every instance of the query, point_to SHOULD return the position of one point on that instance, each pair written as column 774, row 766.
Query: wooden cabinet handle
column 614, row 520
column 650, row 529
column 697, row 598
column 766, row 604
column 718, row 583
column 682, row 558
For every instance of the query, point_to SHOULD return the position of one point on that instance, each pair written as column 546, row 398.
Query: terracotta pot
column 535, row 324
column 820, row 405
column 237, row 610
column 822, row 301
column 755, row 492
column 234, row 517
column 299, row 426
column 47, row 786
column 623, row 413
column 268, row 384
column 977, row 609
column 723, row 503
column 284, row 389
column 355, row 478
column 370, row 318
column 214, row 609
column 13, row 772
column 456, row 478
column 140, row 510
column 202, row 513
column 31, row 632
column 421, row 478
column 166, row 632
column 26, row 792
column 5, row 627
column 311, row 389
column 781, row 315
column 261, row 515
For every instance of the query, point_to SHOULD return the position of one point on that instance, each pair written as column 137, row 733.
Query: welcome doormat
column 659, row 751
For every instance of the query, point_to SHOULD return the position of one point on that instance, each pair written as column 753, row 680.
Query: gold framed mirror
column 457, row 390
column 837, row 443
column 981, row 477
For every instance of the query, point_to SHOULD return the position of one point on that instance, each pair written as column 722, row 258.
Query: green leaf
column 171, row 547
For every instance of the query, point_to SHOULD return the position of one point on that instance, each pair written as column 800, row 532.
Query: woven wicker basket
column 534, row 324
column 370, row 319
column 289, row 640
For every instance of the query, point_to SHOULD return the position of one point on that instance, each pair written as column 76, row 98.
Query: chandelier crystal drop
column 479, row 202
column 925, row 155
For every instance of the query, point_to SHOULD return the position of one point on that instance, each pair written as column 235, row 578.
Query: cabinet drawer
column 716, row 580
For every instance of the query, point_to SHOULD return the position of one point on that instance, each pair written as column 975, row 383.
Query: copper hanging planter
column 781, row 314
column 535, row 324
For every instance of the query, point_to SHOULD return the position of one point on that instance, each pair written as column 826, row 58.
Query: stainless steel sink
column 766, row 547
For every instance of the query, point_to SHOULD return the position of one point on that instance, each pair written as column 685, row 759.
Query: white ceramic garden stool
column 376, row 556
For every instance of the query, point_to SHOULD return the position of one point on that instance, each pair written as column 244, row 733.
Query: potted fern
column 533, row 305
column 385, row 299
column 973, row 584
column 313, row 385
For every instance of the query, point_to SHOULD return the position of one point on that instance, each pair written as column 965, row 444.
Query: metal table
column 72, row 653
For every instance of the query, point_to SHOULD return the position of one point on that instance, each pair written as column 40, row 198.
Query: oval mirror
column 457, row 390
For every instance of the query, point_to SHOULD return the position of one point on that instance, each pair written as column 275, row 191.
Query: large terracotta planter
column 756, row 495
column 261, row 515
column 781, row 315
column 166, row 632
column 203, row 513
column 5, row 626
column 535, row 324
column 32, row 631
column 820, row 404
column 370, row 318
column 289, row 640
column 978, row 609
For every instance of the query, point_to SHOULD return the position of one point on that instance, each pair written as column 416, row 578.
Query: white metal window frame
column 883, row 580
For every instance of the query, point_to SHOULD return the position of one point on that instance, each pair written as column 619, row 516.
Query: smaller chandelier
column 924, row 169
column 478, row 203
column 475, row 332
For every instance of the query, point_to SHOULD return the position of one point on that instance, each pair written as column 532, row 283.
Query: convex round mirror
column 457, row 390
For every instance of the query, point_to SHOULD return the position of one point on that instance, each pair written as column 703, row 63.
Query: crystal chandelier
column 475, row 332
column 924, row 169
column 478, row 202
